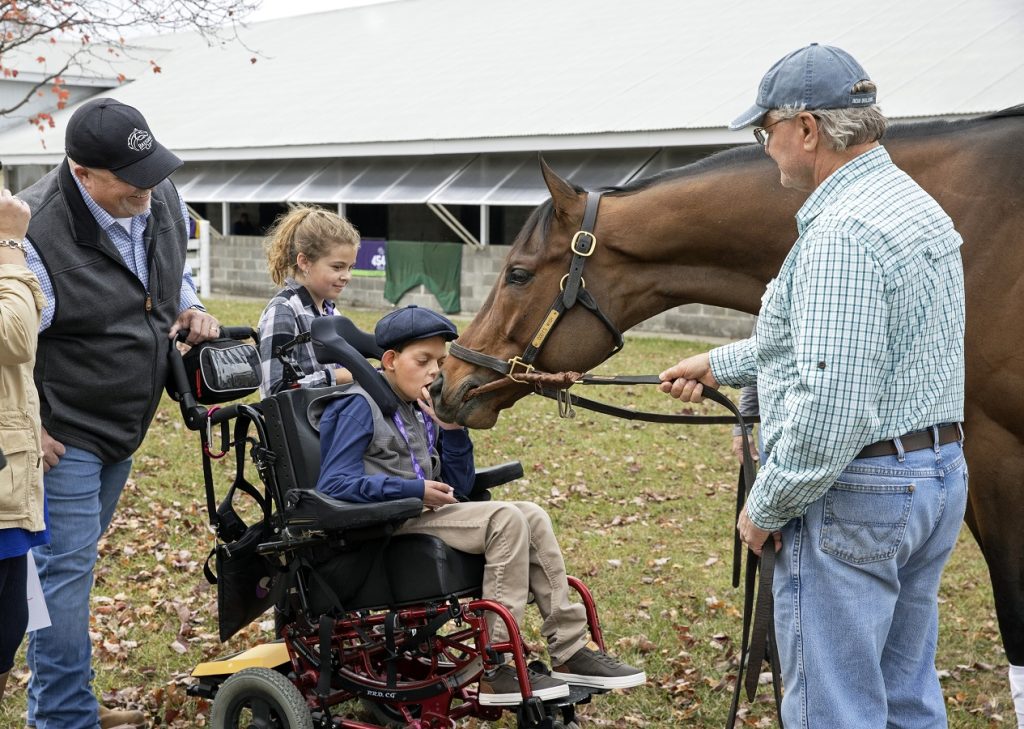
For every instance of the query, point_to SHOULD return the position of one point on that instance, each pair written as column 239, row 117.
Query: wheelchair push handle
column 238, row 333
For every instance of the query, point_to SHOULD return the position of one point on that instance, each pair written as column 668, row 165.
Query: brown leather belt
column 916, row 441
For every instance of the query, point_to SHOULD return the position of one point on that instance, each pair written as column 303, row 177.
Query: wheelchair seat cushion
column 411, row 569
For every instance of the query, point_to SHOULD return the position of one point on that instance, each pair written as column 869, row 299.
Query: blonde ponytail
column 305, row 229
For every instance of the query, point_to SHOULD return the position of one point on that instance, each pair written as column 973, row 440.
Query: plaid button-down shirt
column 290, row 313
column 860, row 337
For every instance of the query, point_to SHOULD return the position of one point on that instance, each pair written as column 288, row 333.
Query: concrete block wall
column 238, row 267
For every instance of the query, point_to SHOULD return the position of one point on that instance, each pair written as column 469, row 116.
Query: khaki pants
column 522, row 556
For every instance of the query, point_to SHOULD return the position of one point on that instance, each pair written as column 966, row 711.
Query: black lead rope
column 758, row 635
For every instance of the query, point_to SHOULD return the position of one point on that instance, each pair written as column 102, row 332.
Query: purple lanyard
column 429, row 426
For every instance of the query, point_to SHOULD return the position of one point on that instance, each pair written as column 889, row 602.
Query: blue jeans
column 856, row 593
column 81, row 494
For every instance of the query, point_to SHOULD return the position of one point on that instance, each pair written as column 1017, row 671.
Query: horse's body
column 717, row 231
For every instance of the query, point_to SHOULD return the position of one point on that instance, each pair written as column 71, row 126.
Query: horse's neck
column 716, row 237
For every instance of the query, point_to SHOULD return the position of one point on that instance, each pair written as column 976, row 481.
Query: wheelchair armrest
column 488, row 478
column 307, row 509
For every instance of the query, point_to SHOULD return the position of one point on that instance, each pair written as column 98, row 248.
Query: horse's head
column 521, row 301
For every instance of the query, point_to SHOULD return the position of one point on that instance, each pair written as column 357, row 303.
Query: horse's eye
column 518, row 276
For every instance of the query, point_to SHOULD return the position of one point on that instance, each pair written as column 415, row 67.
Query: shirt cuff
column 734, row 364
column 189, row 300
column 761, row 513
column 413, row 488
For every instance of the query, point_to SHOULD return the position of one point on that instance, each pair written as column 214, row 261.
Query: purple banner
column 371, row 259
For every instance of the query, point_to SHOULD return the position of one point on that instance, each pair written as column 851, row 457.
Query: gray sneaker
column 597, row 669
column 500, row 687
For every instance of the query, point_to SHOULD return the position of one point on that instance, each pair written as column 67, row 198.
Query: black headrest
column 337, row 340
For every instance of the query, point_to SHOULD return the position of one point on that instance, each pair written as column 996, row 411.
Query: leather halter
column 572, row 290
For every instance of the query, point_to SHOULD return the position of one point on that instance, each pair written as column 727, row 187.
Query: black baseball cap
column 409, row 324
column 109, row 135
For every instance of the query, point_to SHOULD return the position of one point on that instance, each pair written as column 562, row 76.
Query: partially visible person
column 107, row 242
column 748, row 409
column 22, row 518
column 859, row 362
column 367, row 457
column 243, row 226
column 310, row 253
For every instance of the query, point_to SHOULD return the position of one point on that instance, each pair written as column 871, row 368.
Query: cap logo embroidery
column 140, row 140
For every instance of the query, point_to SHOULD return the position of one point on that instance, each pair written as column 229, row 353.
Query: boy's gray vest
column 102, row 364
column 387, row 452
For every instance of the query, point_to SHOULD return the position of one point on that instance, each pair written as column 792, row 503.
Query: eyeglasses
column 761, row 133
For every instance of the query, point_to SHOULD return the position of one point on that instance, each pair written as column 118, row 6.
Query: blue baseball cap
column 409, row 324
column 817, row 77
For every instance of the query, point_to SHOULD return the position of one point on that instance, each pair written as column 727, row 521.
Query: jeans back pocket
column 865, row 523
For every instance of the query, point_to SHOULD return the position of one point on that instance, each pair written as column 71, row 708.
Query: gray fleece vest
column 387, row 452
column 101, row 365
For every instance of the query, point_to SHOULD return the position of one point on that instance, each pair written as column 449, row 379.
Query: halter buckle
column 576, row 240
column 518, row 362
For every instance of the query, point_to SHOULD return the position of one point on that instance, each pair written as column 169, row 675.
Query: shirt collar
column 836, row 183
column 104, row 218
column 307, row 301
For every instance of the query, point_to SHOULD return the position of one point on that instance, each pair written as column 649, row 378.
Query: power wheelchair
column 374, row 630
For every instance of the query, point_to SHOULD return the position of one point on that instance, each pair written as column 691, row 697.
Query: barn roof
column 457, row 77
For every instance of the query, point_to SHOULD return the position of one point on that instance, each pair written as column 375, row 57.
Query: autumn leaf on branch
column 87, row 27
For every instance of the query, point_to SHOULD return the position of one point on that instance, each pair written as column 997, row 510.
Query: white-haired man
column 858, row 356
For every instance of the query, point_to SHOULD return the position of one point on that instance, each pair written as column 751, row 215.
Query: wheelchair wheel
column 259, row 698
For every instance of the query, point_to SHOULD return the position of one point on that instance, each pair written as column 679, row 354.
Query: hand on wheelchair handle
column 437, row 494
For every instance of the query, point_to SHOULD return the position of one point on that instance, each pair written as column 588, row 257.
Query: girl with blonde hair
column 310, row 253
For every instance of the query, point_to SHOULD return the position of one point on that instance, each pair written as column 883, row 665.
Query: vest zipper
column 149, row 303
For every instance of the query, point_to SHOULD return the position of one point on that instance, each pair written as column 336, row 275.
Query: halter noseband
column 572, row 290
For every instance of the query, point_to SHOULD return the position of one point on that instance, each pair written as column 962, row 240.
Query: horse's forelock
column 539, row 223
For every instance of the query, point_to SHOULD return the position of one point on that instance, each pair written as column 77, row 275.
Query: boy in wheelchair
column 368, row 457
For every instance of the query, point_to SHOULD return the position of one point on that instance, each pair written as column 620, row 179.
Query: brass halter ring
column 561, row 284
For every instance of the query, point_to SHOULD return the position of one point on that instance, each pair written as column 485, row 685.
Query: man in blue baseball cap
column 858, row 355
column 369, row 456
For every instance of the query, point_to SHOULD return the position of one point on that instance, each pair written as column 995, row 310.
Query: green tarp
column 438, row 266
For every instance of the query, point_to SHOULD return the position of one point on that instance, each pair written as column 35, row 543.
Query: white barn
column 422, row 119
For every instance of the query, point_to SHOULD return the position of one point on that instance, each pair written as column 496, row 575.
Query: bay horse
column 716, row 231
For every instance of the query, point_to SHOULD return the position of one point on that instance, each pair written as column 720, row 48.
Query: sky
column 270, row 9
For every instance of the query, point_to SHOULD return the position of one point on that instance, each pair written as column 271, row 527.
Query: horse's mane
column 751, row 152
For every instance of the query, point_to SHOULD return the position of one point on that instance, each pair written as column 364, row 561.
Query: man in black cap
column 107, row 241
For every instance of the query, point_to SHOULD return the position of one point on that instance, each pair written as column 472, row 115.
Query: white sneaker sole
column 547, row 694
column 602, row 682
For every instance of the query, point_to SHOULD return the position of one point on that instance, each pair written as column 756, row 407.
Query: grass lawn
column 644, row 515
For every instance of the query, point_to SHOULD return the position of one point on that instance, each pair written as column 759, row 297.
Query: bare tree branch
column 89, row 25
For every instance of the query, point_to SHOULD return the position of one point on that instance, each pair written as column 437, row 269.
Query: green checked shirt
column 860, row 337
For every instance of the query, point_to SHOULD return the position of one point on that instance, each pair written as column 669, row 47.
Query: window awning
column 515, row 178
column 257, row 181
column 269, row 181
column 206, row 180
column 512, row 178
column 382, row 180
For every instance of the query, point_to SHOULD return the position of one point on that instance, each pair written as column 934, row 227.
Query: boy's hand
column 427, row 406
column 437, row 494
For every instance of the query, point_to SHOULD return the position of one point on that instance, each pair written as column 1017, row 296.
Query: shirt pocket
column 865, row 522
column 22, row 471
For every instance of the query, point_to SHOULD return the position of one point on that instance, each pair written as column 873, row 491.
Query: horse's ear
column 563, row 194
